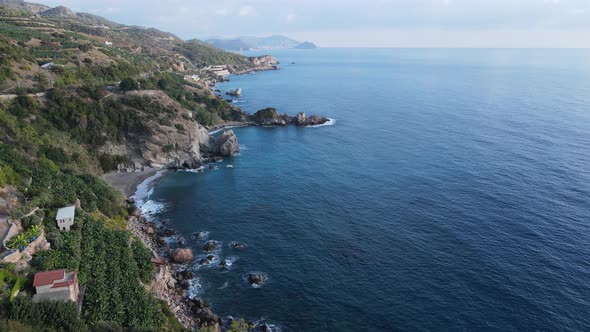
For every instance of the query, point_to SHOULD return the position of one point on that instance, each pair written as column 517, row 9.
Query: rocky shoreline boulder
column 204, row 316
column 182, row 255
column 228, row 144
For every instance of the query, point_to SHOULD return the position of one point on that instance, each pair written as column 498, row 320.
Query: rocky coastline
column 173, row 278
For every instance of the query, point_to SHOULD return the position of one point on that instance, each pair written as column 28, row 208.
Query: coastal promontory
column 269, row 117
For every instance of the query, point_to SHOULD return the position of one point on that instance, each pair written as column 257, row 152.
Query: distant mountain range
column 259, row 43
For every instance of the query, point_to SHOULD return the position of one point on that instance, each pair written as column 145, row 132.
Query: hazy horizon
column 375, row 24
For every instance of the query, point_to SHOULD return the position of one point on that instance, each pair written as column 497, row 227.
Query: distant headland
column 245, row 43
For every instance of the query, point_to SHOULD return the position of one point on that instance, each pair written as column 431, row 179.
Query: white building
column 65, row 217
column 194, row 78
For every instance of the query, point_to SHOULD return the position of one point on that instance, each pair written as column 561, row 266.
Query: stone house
column 65, row 217
column 56, row 285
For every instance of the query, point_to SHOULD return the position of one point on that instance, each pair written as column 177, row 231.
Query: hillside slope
column 81, row 96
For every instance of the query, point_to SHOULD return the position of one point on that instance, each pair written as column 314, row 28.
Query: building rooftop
column 66, row 212
column 48, row 277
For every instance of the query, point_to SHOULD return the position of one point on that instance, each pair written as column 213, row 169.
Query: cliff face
column 176, row 141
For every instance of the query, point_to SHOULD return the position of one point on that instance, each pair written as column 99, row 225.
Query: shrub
column 128, row 84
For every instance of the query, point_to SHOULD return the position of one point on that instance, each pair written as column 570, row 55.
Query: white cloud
column 247, row 11
column 291, row 18
column 222, row 12
column 108, row 10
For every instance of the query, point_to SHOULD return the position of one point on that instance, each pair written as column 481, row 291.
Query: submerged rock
column 256, row 278
column 200, row 235
column 237, row 245
column 211, row 245
column 182, row 255
column 168, row 232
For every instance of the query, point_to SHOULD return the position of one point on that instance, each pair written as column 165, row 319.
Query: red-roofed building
column 57, row 285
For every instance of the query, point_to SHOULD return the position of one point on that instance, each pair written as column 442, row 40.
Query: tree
column 42, row 82
column 128, row 84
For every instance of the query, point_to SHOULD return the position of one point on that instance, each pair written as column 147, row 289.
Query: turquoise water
column 452, row 193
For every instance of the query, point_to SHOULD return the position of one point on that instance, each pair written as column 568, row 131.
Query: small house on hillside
column 57, row 285
column 65, row 217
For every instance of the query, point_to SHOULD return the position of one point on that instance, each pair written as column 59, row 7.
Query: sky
column 366, row 23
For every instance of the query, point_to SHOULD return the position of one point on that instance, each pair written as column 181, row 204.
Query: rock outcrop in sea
column 227, row 144
column 269, row 116
column 256, row 279
column 313, row 120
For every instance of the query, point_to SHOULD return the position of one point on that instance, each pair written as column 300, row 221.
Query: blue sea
column 452, row 192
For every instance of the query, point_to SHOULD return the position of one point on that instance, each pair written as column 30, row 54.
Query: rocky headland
column 269, row 117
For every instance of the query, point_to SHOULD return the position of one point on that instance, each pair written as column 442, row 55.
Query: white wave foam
column 214, row 261
column 195, row 289
column 194, row 170
column 204, row 235
column 229, row 166
column 145, row 190
column 330, row 122
column 149, row 208
column 229, row 261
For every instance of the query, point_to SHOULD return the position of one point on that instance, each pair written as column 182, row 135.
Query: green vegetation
column 52, row 150
column 23, row 239
column 59, row 316
column 206, row 109
column 128, row 84
column 8, row 176
column 110, row 263
column 8, row 277
column 111, row 270
column 266, row 113
column 142, row 256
